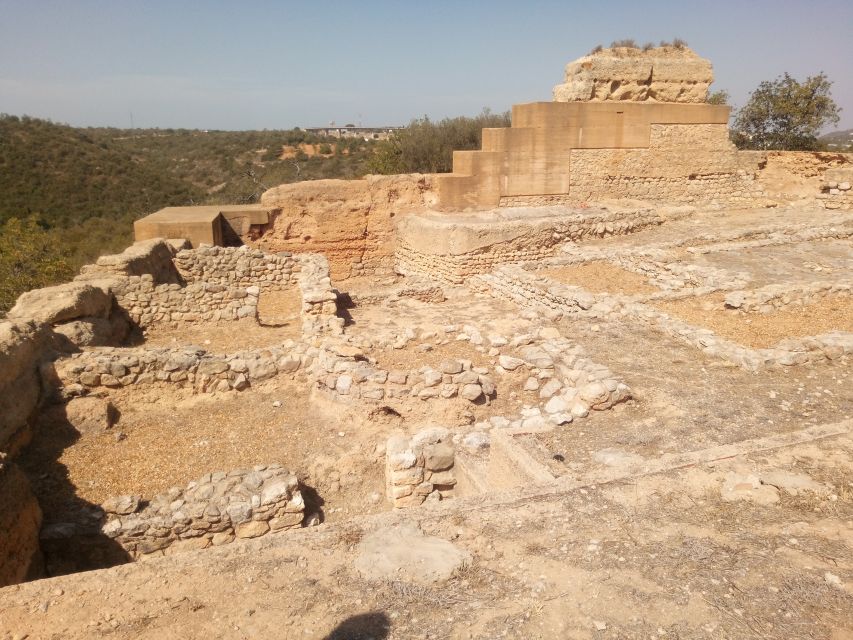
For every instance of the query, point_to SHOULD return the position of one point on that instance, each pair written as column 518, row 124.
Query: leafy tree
column 28, row 259
column 786, row 114
column 719, row 97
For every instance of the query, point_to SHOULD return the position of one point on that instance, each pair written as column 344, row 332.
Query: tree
column 786, row 114
column 28, row 260
column 719, row 97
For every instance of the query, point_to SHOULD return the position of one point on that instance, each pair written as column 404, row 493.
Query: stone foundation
column 419, row 468
column 452, row 248
column 213, row 510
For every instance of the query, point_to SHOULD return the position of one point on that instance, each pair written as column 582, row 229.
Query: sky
column 277, row 65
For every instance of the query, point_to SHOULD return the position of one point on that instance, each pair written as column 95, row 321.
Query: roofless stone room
column 589, row 378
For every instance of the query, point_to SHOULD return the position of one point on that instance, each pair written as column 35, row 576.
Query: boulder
column 90, row 414
column 63, row 302
column 21, row 347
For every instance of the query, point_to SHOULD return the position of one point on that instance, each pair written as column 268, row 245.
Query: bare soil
column 763, row 330
column 601, row 277
column 221, row 337
column 169, row 438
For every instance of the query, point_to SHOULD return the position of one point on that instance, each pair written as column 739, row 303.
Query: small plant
column 597, row 49
column 678, row 43
column 627, row 43
column 648, row 46
column 665, row 43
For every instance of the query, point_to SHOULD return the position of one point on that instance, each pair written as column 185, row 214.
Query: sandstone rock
column 663, row 74
column 251, row 529
column 450, row 366
column 90, row 414
column 510, row 363
column 471, row 392
column 21, row 347
column 550, row 388
column 404, row 553
column 62, row 302
column 122, row 505
column 476, row 442
column 747, row 486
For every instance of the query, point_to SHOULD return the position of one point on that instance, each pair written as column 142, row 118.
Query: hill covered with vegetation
column 68, row 195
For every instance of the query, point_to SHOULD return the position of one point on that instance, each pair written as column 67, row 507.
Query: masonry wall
column 212, row 511
column 351, row 222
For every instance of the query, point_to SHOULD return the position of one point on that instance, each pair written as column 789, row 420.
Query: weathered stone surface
column 90, row 414
column 405, row 553
column 22, row 346
column 62, row 303
column 20, row 520
column 662, row 74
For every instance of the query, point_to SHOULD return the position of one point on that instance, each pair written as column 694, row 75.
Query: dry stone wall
column 836, row 192
column 214, row 510
column 554, row 299
column 778, row 296
column 420, row 468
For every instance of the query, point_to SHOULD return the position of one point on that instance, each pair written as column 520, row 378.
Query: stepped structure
column 626, row 123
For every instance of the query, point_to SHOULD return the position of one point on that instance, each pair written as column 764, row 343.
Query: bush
column 28, row 259
column 427, row 147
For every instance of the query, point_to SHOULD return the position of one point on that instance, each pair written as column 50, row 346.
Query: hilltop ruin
column 608, row 356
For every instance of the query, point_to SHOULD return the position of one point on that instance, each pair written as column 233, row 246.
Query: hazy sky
column 255, row 65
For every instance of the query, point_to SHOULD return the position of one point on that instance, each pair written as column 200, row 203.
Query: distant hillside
column 79, row 190
column 69, row 175
column 838, row 140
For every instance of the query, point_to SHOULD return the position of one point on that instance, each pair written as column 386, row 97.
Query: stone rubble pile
column 212, row 511
column 419, row 468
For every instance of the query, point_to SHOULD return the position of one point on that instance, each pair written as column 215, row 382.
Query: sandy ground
column 763, row 330
column 650, row 552
column 601, row 277
column 646, row 556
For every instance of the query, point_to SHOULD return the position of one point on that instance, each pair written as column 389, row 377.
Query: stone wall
column 20, row 520
column 419, row 468
column 555, row 299
column 778, row 296
column 683, row 163
column 214, row 510
column 351, row 222
column 186, row 367
column 836, row 192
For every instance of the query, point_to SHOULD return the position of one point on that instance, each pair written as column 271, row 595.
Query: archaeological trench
column 607, row 290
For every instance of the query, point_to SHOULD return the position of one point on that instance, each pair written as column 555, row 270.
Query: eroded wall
column 350, row 221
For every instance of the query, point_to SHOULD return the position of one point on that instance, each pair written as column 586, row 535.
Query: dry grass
column 601, row 277
column 763, row 330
